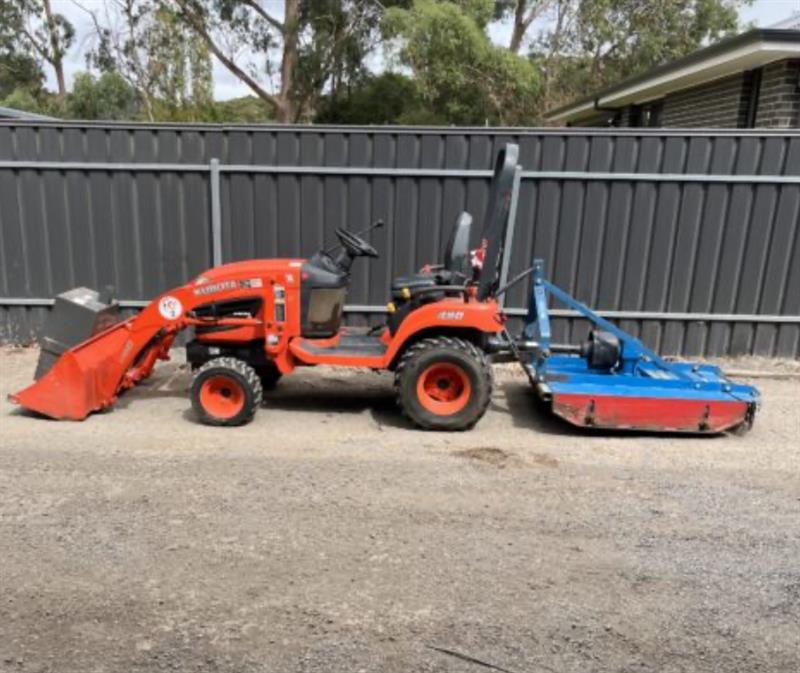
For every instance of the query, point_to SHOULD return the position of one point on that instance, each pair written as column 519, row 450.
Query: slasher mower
column 256, row 320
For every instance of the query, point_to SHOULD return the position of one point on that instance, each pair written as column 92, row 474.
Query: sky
column 761, row 13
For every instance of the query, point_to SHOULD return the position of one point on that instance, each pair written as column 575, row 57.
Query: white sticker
column 170, row 307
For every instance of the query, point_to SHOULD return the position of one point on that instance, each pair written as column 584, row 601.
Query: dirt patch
column 328, row 535
column 545, row 459
column 489, row 455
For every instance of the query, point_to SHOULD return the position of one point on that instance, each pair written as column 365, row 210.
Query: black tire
column 224, row 379
column 269, row 375
column 421, row 361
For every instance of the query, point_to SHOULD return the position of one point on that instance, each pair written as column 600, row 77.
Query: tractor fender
column 450, row 316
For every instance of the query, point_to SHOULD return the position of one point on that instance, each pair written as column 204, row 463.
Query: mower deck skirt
column 697, row 398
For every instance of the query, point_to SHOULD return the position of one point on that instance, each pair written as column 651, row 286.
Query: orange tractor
column 257, row 320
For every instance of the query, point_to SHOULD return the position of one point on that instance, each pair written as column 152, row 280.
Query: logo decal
column 450, row 315
column 170, row 307
column 214, row 287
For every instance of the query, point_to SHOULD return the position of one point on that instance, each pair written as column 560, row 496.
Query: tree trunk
column 287, row 111
column 57, row 60
column 518, row 32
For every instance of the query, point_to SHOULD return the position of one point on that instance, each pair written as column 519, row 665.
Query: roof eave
column 766, row 45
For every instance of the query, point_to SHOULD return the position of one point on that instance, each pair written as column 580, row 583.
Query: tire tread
column 448, row 342
column 247, row 373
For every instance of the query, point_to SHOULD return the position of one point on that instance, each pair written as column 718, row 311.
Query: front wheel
column 226, row 391
column 443, row 383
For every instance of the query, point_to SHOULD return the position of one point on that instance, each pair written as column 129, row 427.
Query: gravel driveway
column 329, row 536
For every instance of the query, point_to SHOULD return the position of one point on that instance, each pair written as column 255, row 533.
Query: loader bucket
column 79, row 369
column 84, row 379
column 76, row 315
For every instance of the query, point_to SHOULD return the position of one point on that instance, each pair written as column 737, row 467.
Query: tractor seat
column 415, row 282
column 425, row 279
column 455, row 268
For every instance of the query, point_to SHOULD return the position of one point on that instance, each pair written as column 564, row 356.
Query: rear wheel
column 226, row 391
column 443, row 383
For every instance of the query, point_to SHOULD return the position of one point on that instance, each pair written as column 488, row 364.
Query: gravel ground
column 329, row 536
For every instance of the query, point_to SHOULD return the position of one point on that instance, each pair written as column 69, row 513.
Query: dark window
column 647, row 115
column 750, row 90
column 654, row 113
column 635, row 116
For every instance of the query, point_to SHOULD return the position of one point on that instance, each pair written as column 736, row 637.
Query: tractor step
column 365, row 350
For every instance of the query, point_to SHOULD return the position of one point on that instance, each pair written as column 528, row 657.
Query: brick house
column 751, row 80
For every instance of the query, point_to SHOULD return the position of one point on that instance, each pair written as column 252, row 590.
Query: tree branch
column 36, row 45
column 258, row 9
column 523, row 20
column 196, row 23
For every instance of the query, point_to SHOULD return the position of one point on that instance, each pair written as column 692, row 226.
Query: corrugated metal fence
column 690, row 239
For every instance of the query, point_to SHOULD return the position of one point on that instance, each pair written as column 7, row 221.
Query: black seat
column 454, row 270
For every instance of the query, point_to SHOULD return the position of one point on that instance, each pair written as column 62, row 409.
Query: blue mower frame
column 614, row 381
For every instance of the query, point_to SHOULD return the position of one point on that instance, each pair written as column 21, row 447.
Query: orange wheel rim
column 443, row 389
column 222, row 396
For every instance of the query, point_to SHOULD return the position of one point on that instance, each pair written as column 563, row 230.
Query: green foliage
column 167, row 64
column 106, row 97
column 631, row 36
column 598, row 42
column 462, row 76
column 19, row 71
column 246, row 110
column 334, row 58
column 290, row 57
column 31, row 29
column 21, row 98
column 389, row 98
column 311, row 61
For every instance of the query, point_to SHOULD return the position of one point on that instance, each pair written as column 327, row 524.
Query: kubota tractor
column 257, row 320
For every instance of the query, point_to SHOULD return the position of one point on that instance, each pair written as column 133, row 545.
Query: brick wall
column 779, row 97
column 718, row 104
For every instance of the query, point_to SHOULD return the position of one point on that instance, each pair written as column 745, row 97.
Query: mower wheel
column 443, row 383
column 269, row 375
column 226, row 391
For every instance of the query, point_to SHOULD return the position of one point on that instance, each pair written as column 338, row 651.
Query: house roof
column 13, row 113
column 742, row 52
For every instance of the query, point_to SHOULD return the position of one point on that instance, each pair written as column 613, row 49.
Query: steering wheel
column 355, row 245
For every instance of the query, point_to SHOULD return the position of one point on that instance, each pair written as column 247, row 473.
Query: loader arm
column 89, row 376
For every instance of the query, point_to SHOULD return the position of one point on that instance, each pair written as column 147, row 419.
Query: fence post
column 216, row 214
column 512, row 221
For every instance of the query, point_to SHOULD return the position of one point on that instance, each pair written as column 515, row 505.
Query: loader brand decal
column 170, row 307
column 450, row 315
column 215, row 287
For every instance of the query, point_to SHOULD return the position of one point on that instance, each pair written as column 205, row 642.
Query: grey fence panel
column 686, row 237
